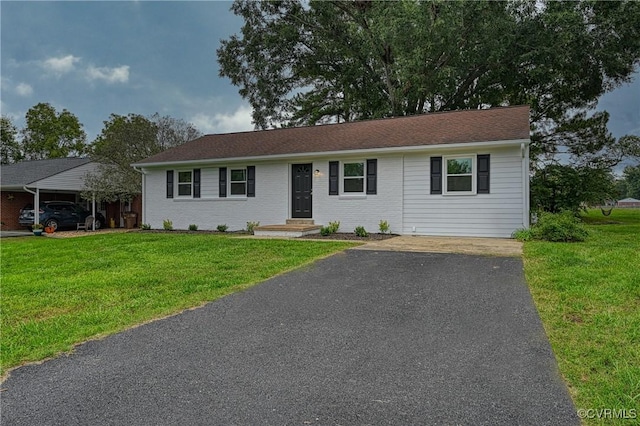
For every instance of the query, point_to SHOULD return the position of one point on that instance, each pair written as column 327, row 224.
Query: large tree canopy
column 10, row 151
column 125, row 140
column 49, row 134
column 328, row 61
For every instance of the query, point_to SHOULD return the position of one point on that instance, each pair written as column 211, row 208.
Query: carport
column 30, row 182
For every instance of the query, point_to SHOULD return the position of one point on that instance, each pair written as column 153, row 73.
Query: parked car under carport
column 58, row 215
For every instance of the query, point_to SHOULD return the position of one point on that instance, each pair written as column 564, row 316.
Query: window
column 353, row 177
column 184, row 183
column 459, row 175
column 238, row 182
column 241, row 182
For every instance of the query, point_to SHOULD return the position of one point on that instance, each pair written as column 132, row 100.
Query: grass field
column 588, row 296
column 59, row 292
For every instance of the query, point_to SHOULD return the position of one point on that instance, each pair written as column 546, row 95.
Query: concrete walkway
column 9, row 234
column 463, row 245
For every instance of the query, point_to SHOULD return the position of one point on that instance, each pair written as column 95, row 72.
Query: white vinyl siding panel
column 496, row 214
column 69, row 180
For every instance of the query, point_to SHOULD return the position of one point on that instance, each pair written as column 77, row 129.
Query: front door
column 301, row 190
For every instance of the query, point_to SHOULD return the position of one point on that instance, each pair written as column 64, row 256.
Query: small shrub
column 522, row 234
column 334, row 226
column 145, row 226
column 193, row 227
column 222, row 228
column 167, row 225
column 384, row 226
column 251, row 226
column 558, row 227
column 361, row 232
column 325, row 231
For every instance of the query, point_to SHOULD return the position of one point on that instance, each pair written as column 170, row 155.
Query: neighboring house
column 629, row 202
column 462, row 173
column 56, row 179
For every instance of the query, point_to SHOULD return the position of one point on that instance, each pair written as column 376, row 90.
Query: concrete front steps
column 293, row 228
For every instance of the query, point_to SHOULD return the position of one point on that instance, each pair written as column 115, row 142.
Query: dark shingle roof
column 496, row 124
column 26, row 172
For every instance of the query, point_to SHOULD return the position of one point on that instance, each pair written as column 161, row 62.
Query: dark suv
column 59, row 214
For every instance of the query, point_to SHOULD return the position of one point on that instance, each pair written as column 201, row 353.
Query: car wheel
column 52, row 223
column 98, row 223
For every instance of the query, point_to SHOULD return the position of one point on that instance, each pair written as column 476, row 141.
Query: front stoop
column 293, row 228
column 300, row 222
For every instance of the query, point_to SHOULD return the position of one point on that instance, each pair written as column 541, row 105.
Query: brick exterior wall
column 12, row 201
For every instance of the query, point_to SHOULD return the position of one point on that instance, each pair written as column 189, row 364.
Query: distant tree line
column 122, row 141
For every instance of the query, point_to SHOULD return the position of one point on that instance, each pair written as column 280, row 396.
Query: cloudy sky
column 99, row 58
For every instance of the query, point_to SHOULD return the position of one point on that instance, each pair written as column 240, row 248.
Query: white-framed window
column 185, row 183
column 460, row 174
column 238, row 182
column 353, row 173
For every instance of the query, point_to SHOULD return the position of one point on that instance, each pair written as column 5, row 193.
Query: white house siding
column 496, row 214
column 268, row 206
column 361, row 210
column 69, row 180
column 403, row 198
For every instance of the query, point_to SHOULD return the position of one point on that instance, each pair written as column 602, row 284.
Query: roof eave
column 350, row 152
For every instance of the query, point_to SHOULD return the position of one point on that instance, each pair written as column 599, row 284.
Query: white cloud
column 59, row 66
column 110, row 75
column 23, row 89
column 238, row 121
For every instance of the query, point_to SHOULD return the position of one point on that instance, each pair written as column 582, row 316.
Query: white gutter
column 524, row 149
column 369, row 151
column 142, row 201
column 36, row 204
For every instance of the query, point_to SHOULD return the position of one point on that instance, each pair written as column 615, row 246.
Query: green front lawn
column 59, row 292
column 588, row 296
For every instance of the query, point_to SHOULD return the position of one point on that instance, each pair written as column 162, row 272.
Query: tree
column 125, row 140
column 562, row 187
column 631, row 176
column 49, row 134
column 332, row 61
column 10, row 151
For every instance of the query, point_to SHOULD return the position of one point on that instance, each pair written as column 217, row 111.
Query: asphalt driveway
column 363, row 337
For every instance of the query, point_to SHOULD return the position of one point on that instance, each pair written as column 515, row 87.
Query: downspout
column 524, row 149
column 143, row 201
column 36, row 204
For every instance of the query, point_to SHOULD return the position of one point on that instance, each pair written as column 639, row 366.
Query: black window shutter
column 222, row 182
column 169, row 183
column 372, row 172
column 251, row 181
column 196, row 183
column 484, row 165
column 436, row 175
column 334, row 173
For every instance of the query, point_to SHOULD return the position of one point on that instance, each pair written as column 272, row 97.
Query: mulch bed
column 344, row 236
column 185, row 231
column 348, row 236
